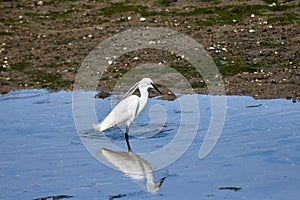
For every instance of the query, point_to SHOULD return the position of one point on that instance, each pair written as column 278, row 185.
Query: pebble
column 251, row 31
column 224, row 49
column 142, row 19
column 252, row 15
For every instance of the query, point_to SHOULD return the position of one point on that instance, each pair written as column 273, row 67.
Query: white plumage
column 129, row 108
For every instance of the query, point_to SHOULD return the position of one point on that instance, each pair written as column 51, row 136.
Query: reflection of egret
column 129, row 108
column 134, row 166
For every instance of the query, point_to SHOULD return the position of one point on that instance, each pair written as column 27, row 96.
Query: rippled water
column 258, row 153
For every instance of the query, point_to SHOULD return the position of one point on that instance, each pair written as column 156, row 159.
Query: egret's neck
column 144, row 93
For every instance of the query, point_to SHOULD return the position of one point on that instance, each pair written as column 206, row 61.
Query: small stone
column 110, row 62
column 251, row 31
column 129, row 18
column 252, row 16
column 136, row 58
column 224, row 49
column 142, row 19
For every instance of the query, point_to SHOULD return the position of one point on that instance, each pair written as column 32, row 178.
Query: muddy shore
column 255, row 44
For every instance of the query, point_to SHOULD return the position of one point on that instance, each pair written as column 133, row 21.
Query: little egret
column 129, row 108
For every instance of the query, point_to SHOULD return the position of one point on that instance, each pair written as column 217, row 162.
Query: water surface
column 42, row 154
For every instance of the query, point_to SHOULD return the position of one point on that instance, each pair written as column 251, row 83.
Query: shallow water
column 42, row 154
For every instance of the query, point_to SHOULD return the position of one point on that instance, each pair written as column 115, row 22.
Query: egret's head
column 142, row 85
column 148, row 83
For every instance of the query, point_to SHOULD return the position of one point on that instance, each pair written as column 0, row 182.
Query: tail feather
column 105, row 124
column 98, row 127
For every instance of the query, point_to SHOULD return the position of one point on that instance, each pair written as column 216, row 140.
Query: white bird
column 133, row 166
column 129, row 108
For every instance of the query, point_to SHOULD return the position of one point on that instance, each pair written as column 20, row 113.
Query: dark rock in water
column 57, row 197
column 116, row 196
column 169, row 97
column 102, row 95
column 210, row 195
column 254, row 106
column 230, row 188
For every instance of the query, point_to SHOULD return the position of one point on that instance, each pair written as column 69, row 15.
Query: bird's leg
column 127, row 139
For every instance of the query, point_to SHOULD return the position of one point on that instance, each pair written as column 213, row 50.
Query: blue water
column 42, row 154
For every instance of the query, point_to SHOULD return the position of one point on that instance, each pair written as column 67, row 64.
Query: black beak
column 156, row 89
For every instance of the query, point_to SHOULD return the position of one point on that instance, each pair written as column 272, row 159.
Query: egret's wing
column 131, row 90
column 123, row 113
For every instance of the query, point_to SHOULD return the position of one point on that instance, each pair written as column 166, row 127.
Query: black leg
column 127, row 139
